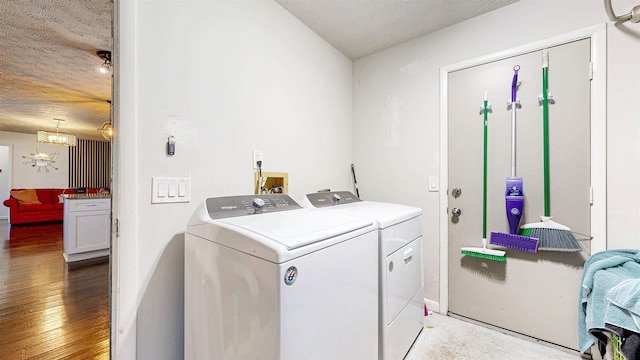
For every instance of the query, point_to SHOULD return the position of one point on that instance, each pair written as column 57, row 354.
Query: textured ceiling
column 49, row 67
column 362, row 27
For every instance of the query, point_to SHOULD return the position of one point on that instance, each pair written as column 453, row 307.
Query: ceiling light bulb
column 105, row 67
column 106, row 57
column 107, row 130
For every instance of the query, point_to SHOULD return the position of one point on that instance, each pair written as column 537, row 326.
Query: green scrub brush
column 483, row 252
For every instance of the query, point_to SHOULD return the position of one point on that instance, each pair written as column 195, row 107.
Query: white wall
column 226, row 77
column 396, row 110
column 27, row 176
column 223, row 77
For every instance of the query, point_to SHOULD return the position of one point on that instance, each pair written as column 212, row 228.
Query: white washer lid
column 297, row 228
column 385, row 214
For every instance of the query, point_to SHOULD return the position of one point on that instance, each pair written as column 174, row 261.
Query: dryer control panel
column 331, row 198
column 242, row 205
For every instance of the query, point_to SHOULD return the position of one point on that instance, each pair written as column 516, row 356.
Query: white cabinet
column 87, row 227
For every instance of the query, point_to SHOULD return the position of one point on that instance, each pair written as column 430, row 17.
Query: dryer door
column 403, row 278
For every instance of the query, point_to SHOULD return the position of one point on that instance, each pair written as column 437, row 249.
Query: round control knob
column 336, row 198
column 259, row 203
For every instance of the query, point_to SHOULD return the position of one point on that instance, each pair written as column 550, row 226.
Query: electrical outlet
column 257, row 156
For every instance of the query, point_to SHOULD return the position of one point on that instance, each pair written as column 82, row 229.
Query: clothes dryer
column 401, row 305
column 268, row 279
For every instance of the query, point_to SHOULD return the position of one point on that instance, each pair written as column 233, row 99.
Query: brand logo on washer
column 290, row 275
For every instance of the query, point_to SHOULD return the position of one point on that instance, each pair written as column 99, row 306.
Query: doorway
column 5, row 177
column 530, row 294
column 55, row 23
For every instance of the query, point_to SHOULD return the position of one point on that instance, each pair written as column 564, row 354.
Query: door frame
column 598, row 36
column 9, row 173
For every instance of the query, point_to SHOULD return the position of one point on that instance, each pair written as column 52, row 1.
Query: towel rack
column 633, row 15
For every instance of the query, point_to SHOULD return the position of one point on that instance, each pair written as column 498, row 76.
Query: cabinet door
column 88, row 231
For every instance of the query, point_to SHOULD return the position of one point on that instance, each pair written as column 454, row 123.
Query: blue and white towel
column 604, row 271
column 624, row 305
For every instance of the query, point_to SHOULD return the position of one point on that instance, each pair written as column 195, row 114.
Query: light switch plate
column 170, row 190
column 434, row 183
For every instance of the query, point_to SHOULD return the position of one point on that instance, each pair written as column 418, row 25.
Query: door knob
column 456, row 212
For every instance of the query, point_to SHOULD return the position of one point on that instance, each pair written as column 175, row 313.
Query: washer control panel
column 331, row 198
column 243, row 205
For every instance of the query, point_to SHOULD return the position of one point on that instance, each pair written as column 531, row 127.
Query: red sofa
column 49, row 209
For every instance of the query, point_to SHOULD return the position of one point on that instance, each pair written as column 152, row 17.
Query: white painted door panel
column 533, row 294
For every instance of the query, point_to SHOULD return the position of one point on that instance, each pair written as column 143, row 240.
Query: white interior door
column 535, row 294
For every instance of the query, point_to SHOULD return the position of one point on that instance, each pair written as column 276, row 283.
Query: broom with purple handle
column 514, row 193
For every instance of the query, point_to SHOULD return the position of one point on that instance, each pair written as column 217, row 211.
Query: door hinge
column 590, row 195
column 591, row 70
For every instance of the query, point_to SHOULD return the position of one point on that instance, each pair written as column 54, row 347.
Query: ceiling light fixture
column 57, row 138
column 106, row 130
column 106, row 57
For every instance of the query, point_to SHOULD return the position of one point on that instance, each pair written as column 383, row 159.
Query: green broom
column 552, row 236
column 483, row 252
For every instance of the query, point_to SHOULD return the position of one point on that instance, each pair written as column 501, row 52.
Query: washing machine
column 401, row 304
column 268, row 279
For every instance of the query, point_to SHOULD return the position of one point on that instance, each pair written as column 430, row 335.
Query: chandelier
column 57, row 138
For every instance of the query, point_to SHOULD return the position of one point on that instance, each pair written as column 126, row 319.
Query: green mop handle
column 484, row 182
column 545, row 130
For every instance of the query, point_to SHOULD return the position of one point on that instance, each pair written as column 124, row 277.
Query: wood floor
column 50, row 309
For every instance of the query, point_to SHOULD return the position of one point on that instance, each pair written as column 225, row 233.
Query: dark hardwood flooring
column 50, row 309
